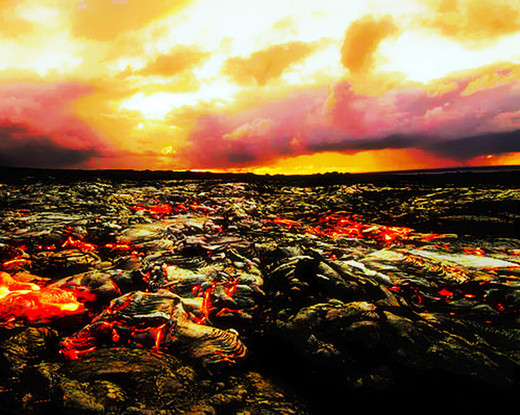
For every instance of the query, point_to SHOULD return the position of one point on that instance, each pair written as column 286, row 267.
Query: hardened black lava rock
column 216, row 296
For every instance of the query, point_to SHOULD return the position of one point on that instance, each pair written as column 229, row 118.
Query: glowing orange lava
column 338, row 225
column 229, row 288
column 154, row 210
column 26, row 301
column 76, row 243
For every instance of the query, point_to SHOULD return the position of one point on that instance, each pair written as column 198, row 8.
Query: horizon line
column 453, row 169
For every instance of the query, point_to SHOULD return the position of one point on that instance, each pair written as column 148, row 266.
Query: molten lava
column 76, row 243
column 154, row 210
column 19, row 257
column 338, row 225
column 26, row 301
column 226, row 291
column 286, row 221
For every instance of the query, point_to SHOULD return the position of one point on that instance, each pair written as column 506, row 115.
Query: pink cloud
column 38, row 126
column 261, row 133
column 339, row 119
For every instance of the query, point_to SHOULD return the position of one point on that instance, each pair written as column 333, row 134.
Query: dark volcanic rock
column 136, row 381
column 29, row 346
column 128, row 297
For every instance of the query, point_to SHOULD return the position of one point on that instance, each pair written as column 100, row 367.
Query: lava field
column 215, row 296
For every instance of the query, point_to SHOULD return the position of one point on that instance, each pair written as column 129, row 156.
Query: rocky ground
column 257, row 297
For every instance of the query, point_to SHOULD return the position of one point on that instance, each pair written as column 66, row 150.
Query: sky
column 272, row 86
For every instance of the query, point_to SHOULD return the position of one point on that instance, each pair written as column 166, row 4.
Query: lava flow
column 154, row 210
column 19, row 258
column 342, row 225
column 26, row 301
column 337, row 225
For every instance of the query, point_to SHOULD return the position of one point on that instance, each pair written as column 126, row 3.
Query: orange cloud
column 490, row 76
column 105, row 20
column 362, row 39
column 178, row 60
column 474, row 21
column 510, row 159
column 266, row 64
column 285, row 25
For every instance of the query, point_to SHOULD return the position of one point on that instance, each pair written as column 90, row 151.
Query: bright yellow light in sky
column 40, row 14
column 424, row 57
column 156, row 106
column 266, row 85
column 167, row 150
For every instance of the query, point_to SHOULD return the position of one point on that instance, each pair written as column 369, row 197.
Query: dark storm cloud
column 20, row 148
column 466, row 148
column 241, row 157
column 335, row 142
column 463, row 148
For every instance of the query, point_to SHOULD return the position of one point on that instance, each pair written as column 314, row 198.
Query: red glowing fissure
column 25, row 301
column 21, row 259
column 474, row 251
column 114, row 330
column 76, row 243
column 207, row 305
column 85, row 246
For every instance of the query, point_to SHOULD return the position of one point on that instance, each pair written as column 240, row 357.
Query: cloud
column 459, row 149
column 11, row 24
column 448, row 114
column 474, row 22
column 455, row 123
column 19, row 147
column 39, row 128
column 467, row 148
column 104, row 20
column 361, row 41
column 337, row 141
column 284, row 26
column 259, row 127
column 262, row 133
column 266, row 64
column 178, row 60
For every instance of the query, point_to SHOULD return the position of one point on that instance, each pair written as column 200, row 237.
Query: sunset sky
column 272, row 86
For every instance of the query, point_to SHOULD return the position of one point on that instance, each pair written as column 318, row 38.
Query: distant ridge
column 490, row 175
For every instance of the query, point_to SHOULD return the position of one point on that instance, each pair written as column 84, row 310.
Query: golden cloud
column 178, row 60
column 362, row 39
column 474, row 21
column 105, row 20
column 266, row 64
